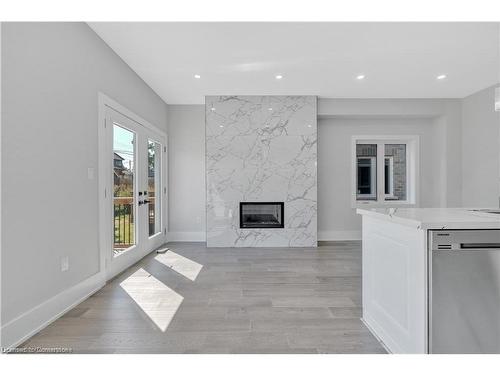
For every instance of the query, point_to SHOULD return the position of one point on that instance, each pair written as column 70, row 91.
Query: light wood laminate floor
column 224, row 300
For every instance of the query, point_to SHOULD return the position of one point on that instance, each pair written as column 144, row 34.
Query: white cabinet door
column 395, row 284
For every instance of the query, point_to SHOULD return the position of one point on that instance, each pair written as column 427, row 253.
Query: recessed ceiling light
column 279, row 76
column 309, row 126
column 360, row 77
column 441, row 76
column 212, row 109
column 269, row 109
column 197, row 76
column 221, row 126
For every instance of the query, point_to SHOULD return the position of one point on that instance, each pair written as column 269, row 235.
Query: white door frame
column 108, row 265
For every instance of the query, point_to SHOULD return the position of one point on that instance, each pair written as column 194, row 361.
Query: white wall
column 336, row 218
column 51, row 76
column 186, row 182
column 1, row 241
column 449, row 146
column 480, row 158
column 438, row 121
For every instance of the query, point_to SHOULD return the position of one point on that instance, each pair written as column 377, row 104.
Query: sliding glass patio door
column 138, row 187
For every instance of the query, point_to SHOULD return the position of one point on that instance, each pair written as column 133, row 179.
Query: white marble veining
column 436, row 218
column 261, row 148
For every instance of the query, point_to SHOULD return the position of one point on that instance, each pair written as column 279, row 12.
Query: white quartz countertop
column 435, row 218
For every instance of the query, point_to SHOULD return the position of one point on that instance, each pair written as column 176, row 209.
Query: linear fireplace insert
column 262, row 214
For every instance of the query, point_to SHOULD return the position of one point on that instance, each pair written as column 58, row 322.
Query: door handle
column 146, row 201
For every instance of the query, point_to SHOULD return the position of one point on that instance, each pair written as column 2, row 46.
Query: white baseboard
column 339, row 235
column 187, row 236
column 19, row 329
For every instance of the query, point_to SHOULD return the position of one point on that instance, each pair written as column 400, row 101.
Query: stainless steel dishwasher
column 464, row 291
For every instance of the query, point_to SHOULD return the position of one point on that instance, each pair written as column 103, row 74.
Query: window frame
column 412, row 143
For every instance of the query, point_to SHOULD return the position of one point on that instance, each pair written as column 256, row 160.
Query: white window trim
column 412, row 176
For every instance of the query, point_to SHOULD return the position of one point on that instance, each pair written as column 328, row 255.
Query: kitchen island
column 396, row 269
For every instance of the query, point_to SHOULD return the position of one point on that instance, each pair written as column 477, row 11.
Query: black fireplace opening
column 262, row 214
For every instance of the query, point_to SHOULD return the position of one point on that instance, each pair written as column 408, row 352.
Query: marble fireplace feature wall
column 261, row 149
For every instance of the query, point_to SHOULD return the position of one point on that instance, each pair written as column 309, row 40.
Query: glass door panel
column 154, row 187
column 124, row 207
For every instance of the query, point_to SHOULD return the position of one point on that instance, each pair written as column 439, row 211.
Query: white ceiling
column 399, row 60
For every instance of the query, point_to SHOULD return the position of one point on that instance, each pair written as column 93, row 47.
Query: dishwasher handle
column 480, row 246
column 467, row 247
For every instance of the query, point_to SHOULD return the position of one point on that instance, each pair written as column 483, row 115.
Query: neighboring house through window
column 118, row 161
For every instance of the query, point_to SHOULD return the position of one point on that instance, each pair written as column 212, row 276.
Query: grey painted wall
column 480, row 157
column 51, row 75
column 186, row 183
column 439, row 120
column 336, row 217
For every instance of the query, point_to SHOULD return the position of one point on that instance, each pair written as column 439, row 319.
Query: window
column 385, row 170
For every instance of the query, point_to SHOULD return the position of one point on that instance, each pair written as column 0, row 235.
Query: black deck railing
column 151, row 216
column 124, row 223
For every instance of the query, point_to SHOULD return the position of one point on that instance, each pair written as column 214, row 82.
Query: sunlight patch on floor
column 158, row 301
column 185, row 266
